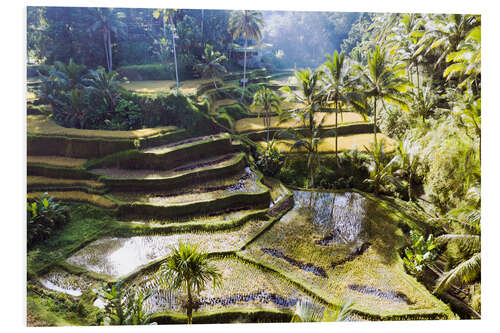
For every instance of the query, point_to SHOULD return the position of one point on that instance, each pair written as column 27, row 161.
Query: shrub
column 419, row 253
column 270, row 160
column 173, row 109
column 44, row 217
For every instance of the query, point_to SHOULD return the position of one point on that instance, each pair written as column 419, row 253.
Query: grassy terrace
column 257, row 124
column 57, row 161
column 41, row 125
column 345, row 142
column 187, row 87
column 373, row 277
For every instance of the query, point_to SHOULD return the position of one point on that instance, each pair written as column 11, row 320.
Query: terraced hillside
column 158, row 187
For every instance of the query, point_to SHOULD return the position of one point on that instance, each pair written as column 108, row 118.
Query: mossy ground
column 379, row 267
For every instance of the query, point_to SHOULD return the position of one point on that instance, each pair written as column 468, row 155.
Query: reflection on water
column 340, row 217
column 64, row 282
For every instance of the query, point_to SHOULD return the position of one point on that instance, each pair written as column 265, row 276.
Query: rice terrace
column 190, row 166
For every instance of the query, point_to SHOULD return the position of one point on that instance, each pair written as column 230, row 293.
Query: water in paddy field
column 339, row 217
column 61, row 281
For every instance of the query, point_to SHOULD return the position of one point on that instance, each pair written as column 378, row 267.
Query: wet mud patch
column 308, row 267
column 393, row 296
column 260, row 296
column 351, row 256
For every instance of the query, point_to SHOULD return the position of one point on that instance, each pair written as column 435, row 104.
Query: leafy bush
column 124, row 307
column 127, row 116
column 45, row 217
column 172, row 109
column 420, row 253
column 270, row 160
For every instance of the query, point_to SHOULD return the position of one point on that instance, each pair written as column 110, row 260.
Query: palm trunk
column 175, row 61
column 106, row 50
column 375, row 120
column 336, row 134
column 418, row 77
column 409, row 186
column 244, row 70
column 268, row 125
column 110, row 54
column 189, row 305
column 202, row 17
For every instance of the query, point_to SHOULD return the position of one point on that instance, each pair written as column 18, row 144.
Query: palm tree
column 384, row 82
column 408, row 158
column 189, row 268
column 466, row 234
column 108, row 21
column 211, row 66
column 380, row 171
column 246, row 23
column 446, row 32
column 168, row 16
column 313, row 97
column 104, row 85
column 269, row 101
column 336, row 78
column 306, row 311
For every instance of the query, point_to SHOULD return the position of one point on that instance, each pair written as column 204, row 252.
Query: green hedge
column 153, row 72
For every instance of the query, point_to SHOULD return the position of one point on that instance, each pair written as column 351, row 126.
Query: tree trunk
column 244, row 69
column 375, row 120
column 418, row 76
column 175, row 60
column 336, row 133
column 409, row 185
column 202, row 17
column 106, row 50
column 268, row 125
column 189, row 307
column 110, row 68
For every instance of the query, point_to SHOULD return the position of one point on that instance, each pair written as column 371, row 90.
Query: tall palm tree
column 269, row 101
column 336, row 77
column 211, row 66
column 313, row 97
column 466, row 234
column 445, row 32
column 190, row 269
column 383, row 81
column 168, row 16
column 246, row 23
column 108, row 21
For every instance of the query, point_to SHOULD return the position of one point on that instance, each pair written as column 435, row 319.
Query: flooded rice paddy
column 62, row 281
column 119, row 256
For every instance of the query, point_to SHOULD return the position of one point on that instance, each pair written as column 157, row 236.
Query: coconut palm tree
column 246, row 23
column 168, row 16
column 445, row 32
column 190, row 269
column 466, row 234
column 336, row 78
column 108, row 21
column 313, row 97
column 384, row 82
column 269, row 101
column 211, row 66
column 306, row 311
